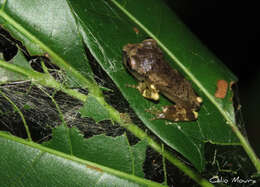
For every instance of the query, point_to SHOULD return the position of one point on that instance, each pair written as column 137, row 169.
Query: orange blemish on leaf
column 136, row 30
column 222, row 87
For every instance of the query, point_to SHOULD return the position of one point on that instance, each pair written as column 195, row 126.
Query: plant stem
column 43, row 79
column 187, row 170
column 48, row 81
column 20, row 113
column 134, row 129
column 245, row 144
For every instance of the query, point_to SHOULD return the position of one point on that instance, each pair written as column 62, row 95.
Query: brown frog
column 146, row 63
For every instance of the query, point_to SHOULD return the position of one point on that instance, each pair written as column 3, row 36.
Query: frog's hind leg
column 177, row 113
column 147, row 90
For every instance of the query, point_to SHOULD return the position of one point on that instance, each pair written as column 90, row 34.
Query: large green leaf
column 107, row 29
column 24, row 163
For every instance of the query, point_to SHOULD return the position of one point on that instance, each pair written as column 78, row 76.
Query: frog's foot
column 147, row 90
column 175, row 113
column 154, row 111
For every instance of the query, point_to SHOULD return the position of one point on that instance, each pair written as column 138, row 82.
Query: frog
column 146, row 62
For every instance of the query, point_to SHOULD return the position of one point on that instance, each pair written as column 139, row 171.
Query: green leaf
column 108, row 151
column 138, row 151
column 120, row 20
column 93, row 109
column 54, row 32
column 19, row 60
column 24, row 163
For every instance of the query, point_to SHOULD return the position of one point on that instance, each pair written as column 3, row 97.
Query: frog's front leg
column 147, row 90
column 176, row 113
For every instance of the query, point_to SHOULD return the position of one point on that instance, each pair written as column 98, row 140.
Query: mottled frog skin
column 146, row 63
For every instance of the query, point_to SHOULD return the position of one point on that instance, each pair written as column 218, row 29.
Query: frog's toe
column 199, row 99
column 196, row 114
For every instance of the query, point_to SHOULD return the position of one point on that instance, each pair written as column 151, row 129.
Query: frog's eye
column 131, row 63
column 127, row 60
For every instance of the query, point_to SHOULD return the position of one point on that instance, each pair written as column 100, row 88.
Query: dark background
column 229, row 29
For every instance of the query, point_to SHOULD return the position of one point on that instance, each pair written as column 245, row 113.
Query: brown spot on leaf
column 222, row 87
column 136, row 30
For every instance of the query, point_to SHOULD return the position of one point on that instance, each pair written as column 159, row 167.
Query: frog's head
column 140, row 57
column 133, row 61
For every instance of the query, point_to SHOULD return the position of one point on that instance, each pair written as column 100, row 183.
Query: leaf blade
column 126, row 33
column 93, row 109
column 108, row 151
column 58, row 40
column 27, row 163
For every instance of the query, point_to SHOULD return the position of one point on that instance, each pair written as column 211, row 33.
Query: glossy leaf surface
column 19, row 60
column 108, row 151
column 93, row 109
column 47, row 25
column 24, row 163
column 182, row 49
